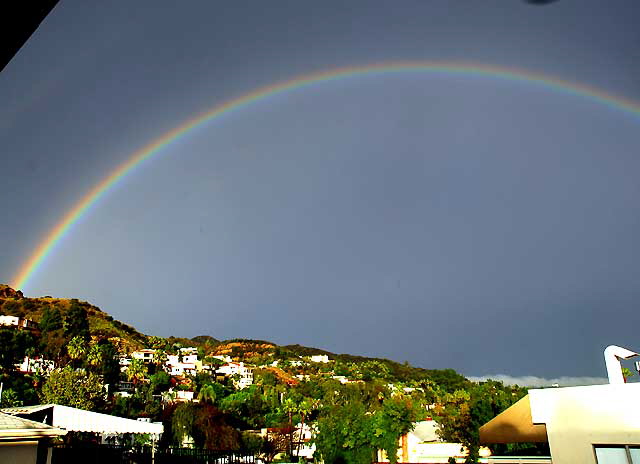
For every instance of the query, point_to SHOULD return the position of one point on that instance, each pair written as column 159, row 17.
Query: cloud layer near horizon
column 533, row 381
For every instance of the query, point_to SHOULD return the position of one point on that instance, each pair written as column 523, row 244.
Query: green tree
column 10, row 399
column 251, row 443
column 94, row 356
column 110, row 368
column 213, row 430
column 344, row 434
column 207, row 394
column 77, row 350
column 158, row 343
column 76, row 323
column 182, row 422
column 13, row 346
column 460, row 414
column 160, row 382
column 397, row 417
column 51, row 320
column 77, row 389
column 136, row 371
column 160, row 359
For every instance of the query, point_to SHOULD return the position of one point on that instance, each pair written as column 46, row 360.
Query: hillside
column 127, row 338
column 101, row 324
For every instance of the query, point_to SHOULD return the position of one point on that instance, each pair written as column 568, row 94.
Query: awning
column 79, row 420
column 514, row 425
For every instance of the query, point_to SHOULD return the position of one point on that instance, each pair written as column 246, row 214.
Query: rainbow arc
column 145, row 153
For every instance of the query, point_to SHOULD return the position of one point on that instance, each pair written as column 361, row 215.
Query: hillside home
column 595, row 424
column 146, row 355
column 181, row 369
column 180, row 365
column 319, row 358
column 36, row 366
column 177, row 396
column 190, row 358
column 240, row 375
column 18, row 322
column 288, row 362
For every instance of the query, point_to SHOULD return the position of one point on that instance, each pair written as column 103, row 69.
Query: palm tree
column 136, row 371
column 76, row 349
column 160, row 359
column 207, row 394
column 305, row 407
column 94, row 356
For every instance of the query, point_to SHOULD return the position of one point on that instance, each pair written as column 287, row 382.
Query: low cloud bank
column 533, row 381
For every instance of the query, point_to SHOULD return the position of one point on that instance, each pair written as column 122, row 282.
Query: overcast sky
column 482, row 224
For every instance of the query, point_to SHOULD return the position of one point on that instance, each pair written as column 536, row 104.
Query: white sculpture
column 612, row 356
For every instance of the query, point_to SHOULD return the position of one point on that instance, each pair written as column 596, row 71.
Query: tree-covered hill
column 127, row 339
column 101, row 324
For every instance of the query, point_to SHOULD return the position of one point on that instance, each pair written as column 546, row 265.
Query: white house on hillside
column 19, row 322
column 241, row 375
column 36, row 366
column 145, row 355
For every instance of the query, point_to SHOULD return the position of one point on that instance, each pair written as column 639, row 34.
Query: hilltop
column 101, row 324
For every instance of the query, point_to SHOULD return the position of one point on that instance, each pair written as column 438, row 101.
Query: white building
column 181, row 369
column 146, row 355
column 187, row 364
column 319, row 358
column 36, row 366
column 177, row 396
column 241, row 375
column 590, row 424
column 19, row 322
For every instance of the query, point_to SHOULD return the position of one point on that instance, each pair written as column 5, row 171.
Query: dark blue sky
column 486, row 225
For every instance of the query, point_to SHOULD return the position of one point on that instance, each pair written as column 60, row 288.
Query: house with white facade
column 240, row 375
column 178, row 396
column 185, row 363
column 319, row 358
column 18, row 322
column 181, row 369
column 36, row 366
column 146, row 356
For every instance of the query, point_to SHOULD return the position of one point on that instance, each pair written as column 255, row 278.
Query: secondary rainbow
column 62, row 228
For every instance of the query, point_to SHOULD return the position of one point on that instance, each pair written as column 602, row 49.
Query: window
column 617, row 454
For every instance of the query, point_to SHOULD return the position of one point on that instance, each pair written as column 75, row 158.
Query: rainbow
column 62, row 228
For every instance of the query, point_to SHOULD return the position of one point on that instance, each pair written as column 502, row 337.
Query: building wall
column 24, row 452
column 577, row 418
column 9, row 320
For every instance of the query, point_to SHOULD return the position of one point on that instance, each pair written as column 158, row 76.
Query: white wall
column 18, row 452
column 579, row 417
